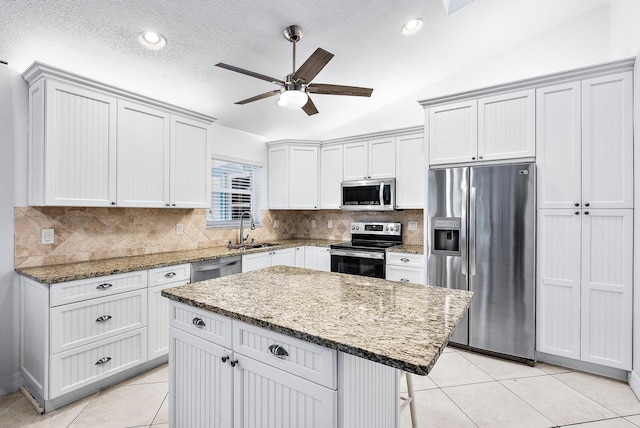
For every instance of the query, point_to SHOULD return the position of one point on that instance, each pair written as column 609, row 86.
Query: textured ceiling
column 97, row 39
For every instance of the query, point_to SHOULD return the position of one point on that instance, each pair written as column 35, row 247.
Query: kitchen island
column 287, row 346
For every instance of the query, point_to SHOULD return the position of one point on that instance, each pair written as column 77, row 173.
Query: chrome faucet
column 253, row 227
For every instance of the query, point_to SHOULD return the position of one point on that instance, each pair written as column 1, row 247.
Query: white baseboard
column 634, row 382
column 10, row 383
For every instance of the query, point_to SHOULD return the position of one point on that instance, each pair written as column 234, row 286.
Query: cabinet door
column 607, row 142
column 256, row 261
column 143, row 156
column 266, row 397
column 405, row 274
column 79, row 147
column 200, row 384
column 158, row 321
column 382, row 158
column 190, row 173
column 453, row 133
column 558, row 294
column 323, row 259
column 410, row 171
column 284, row 257
column 300, row 256
column 279, row 177
column 303, row 177
column 506, row 126
column 607, row 272
column 559, row 138
column 331, row 159
column 355, row 161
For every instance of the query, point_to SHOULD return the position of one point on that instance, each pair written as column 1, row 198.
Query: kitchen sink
column 251, row 246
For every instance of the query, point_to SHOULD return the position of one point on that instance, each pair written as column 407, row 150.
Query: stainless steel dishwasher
column 215, row 268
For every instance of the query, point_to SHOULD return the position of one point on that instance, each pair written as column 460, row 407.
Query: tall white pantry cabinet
column 585, row 219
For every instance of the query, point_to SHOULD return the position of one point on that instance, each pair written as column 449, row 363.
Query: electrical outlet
column 47, row 236
column 330, row 224
column 413, row 225
column 313, row 224
column 276, row 224
column 179, row 229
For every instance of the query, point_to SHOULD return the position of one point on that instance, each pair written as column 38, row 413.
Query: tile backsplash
column 98, row 233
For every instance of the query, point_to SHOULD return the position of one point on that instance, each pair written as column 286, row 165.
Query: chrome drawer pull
column 404, row 259
column 278, row 351
column 169, row 274
column 103, row 360
column 103, row 318
column 198, row 322
column 104, row 286
column 404, row 280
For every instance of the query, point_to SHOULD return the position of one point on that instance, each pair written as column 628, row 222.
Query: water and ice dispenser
column 446, row 236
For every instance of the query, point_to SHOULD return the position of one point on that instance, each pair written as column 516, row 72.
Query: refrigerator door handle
column 472, row 231
column 463, row 233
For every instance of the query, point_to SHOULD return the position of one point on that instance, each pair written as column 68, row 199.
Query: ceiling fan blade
column 354, row 91
column 310, row 107
column 259, row 97
column 313, row 65
column 250, row 73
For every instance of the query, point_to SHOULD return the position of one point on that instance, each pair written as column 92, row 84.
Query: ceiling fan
column 296, row 87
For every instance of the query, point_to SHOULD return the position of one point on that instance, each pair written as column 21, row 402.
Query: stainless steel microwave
column 368, row 195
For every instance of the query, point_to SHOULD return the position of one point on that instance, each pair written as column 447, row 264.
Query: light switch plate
column 276, row 224
column 330, row 224
column 47, row 236
column 179, row 229
column 413, row 225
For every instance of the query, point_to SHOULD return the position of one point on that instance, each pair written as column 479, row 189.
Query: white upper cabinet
column 143, row 156
column 453, row 132
column 370, row 159
column 410, row 171
column 72, row 146
column 585, row 144
column 489, row 128
column 331, row 160
column 293, row 176
column 91, row 144
column 506, row 126
column 607, row 141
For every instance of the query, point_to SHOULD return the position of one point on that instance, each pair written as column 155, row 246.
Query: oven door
column 364, row 263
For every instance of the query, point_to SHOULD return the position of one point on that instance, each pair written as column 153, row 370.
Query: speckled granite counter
column 401, row 325
column 71, row 271
column 409, row 249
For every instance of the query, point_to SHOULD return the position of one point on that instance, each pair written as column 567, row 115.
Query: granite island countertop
column 90, row 269
column 401, row 325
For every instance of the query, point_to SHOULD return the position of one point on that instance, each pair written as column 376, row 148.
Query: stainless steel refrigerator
column 481, row 237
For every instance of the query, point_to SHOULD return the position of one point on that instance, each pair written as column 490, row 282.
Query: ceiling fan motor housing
column 293, row 33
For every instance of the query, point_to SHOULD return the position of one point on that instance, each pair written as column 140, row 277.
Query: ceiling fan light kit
column 295, row 88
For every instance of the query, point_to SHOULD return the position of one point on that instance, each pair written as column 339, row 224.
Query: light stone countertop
column 90, row 269
column 401, row 325
column 408, row 249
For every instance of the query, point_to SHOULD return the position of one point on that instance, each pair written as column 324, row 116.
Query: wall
column 13, row 122
column 99, row 233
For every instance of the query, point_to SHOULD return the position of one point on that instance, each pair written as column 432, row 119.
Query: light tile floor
column 463, row 390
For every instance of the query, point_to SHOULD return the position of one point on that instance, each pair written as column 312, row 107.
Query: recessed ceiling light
column 152, row 40
column 411, row 27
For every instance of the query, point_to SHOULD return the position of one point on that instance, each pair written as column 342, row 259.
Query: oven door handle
column 361, row 254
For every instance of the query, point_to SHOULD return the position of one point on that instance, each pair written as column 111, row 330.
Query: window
column 236, row 187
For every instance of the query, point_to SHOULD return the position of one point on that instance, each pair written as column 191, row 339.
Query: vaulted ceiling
column 98, row 39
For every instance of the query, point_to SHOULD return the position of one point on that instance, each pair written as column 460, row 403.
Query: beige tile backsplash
column 97, row 233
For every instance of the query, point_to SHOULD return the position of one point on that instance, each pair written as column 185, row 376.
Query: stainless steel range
column 365, row 253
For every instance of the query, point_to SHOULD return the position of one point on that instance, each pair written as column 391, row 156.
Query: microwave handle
column 381, row 194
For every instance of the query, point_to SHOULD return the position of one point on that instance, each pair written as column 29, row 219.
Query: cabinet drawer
column 87, row 364
column 307, row 360
column 405, row 274
column 404, row 259
column 169, row 274
column 85, row 322
column 204, row 324
column 84, row 289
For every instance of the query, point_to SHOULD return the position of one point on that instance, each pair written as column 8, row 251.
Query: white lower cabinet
column 317, row 258
column 585, row 285
column 405, row 267
column 284, row 257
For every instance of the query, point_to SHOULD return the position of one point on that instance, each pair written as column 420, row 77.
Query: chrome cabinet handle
column 103, row 318
column 198, row 322
column 405, row 260
column 278, row 351
column 113, row 203
column 225, row 358
column 102, row 361
column 404, row 280
column 169, row 274
column 577, row 212
column 104, row 286
column 586, row 213
column 577, row 204
column 233, row 363
column 586, row 204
